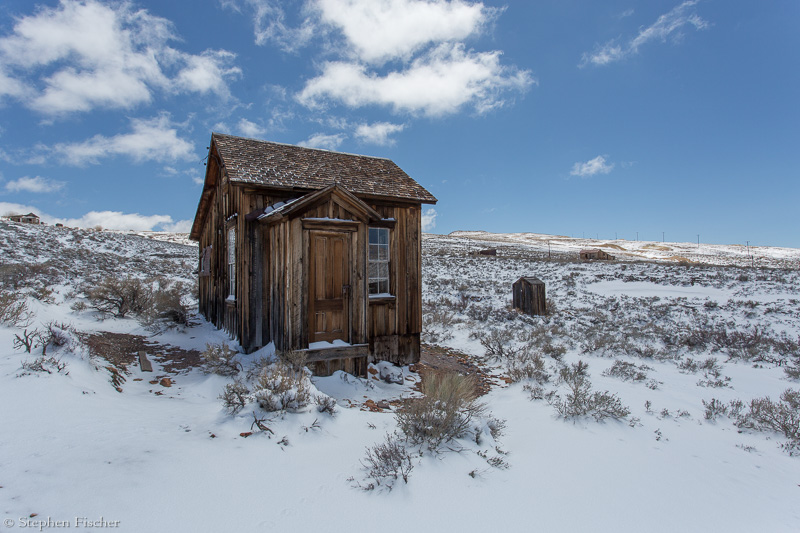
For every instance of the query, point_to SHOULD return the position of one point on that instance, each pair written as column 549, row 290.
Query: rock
column 383, row 404
column 165, row 382
column 372, row 370
column 391, row 374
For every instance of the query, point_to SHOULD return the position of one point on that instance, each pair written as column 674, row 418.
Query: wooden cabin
column 528, row 296
column 30, row 218
column 311, row 250
column 591, row 254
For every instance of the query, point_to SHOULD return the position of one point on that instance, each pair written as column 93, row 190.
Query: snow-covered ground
column 170, row 459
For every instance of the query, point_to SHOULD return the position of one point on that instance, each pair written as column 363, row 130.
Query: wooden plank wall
column 272, row 292
column 395, row 326
column 529, row 298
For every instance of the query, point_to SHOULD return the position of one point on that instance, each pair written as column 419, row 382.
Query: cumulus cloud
column 86, row 54
column 594, row 166
column 324, row 141
column 438, row 83
column 384, row 30
column 116, row 220
column 250, row 129
column 181, row 226
column 429, row 219
column 378, row 132
column 667, row 26
column 153, row 139
column 8, row 208
column 36, row 184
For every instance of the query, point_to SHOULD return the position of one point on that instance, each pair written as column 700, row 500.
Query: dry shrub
column 444, row 413
column 235, row 396
column 782, row 416
column 14, row 309
column 627, row 371
column 525, row 366
column 499, row 344
column 43, row 364
column 220, row 359
column 282, row 386
column 168, row 307
column 120, row 297
column 387, row 462
column 580, row 400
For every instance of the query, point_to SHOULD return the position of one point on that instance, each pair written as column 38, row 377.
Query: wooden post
column 144, row 363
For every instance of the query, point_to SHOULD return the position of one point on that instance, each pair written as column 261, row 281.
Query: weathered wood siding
column 528, row 296
column 271, row 299
column 395, row 324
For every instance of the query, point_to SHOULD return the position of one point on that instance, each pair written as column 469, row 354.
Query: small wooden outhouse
column 312, row 250
column 528, row 296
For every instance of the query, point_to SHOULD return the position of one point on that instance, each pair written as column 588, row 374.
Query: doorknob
column 345, row 290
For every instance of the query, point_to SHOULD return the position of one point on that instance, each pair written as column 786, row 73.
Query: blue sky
column 596, row 119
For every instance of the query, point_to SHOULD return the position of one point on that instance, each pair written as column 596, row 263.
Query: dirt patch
column 658, row 247
column 122, row 350
column 612, row 246
column 440, row 360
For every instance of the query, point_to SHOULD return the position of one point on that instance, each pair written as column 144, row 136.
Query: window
column 379, row 260
column 232, row 263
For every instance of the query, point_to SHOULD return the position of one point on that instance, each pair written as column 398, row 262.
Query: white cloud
column 7, row 208
column 594, row 166
column 36, row 184
column 181, row 226
column 207, row 72
column 118, row 220
column 440, row 82
column 153, row 139
column 270, row 25
column 378, row 132
column 429, row 219
column 383, row 30
column 324, row 141
column 250, row 129
column 107, row 219
column 85, row 54
column 667, row 26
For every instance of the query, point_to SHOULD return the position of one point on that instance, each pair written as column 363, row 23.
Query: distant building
column 590, row 254
column 30, row 218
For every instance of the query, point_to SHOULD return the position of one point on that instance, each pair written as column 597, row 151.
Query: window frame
column 231, row 262
column 382, row 260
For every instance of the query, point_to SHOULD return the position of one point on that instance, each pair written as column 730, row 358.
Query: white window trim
column 387, row 261
column 231, row 262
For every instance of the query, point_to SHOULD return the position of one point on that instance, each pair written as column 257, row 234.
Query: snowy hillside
column 675, row 252
column 674, row 435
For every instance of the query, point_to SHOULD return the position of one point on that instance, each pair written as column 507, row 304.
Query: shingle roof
column 287, row 166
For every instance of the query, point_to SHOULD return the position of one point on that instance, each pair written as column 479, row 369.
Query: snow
column 72, row 446
column 320, row 345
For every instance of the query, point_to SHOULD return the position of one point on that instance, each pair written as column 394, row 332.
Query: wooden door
column 329, row 286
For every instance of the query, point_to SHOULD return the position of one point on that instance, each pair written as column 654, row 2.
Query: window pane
column 373, row 287
column 383, row 270
column 373, row 235
column 373, row 252
column 383, row 252
column 383, row 236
